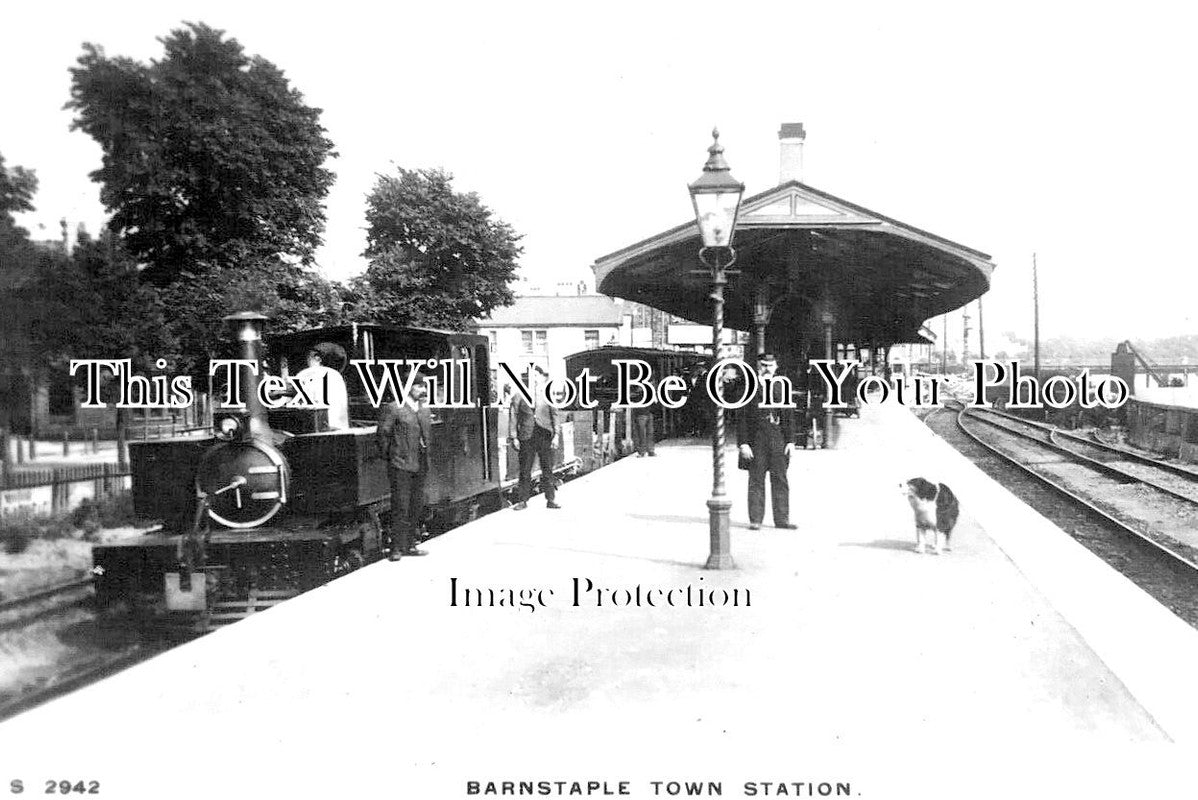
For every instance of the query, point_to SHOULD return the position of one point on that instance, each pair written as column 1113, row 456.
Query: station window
column 534, row 341
column 591, row 339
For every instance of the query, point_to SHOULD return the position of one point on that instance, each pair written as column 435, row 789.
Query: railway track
column 83, row 648
column 44, row 603
column 1168, row 477
column 1159, row 564
column 1104, row 474
column 71, row 678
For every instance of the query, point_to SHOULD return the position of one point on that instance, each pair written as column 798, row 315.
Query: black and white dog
column 936, row 512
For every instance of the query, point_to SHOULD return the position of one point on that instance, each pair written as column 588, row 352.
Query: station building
column 815, row 276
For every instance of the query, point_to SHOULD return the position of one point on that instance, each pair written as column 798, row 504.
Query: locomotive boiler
column 274, row 502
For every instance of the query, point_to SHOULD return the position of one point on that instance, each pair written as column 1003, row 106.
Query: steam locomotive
column 274, row 502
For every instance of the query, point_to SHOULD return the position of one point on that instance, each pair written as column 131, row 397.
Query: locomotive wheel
column 348, row 560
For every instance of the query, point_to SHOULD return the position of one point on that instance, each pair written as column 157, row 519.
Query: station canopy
column 808, row 258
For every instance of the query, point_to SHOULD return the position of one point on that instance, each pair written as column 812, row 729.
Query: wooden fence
column 108, row 478
column 28, row 478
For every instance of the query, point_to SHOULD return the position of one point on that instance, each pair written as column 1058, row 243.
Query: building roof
column 557, row 312
column 815, row 254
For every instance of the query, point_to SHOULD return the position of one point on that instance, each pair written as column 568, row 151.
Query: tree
column 211, row 160
column 438, row 258
column 17, row 187
column 97, row 306
column 292, row 297
column 17, row 255
column 18, row 300
column 113, row 314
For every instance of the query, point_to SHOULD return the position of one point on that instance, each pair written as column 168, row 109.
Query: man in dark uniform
column 766, row 438
column 644, row 435
column 532, row 430
column 698, row 404
column 404, row 434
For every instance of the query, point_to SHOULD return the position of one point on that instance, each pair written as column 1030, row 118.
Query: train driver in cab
column 322, row 381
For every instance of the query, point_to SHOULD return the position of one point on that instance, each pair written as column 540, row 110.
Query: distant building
column 908, row 358
column 544, row 330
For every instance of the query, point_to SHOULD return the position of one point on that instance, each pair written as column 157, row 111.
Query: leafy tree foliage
column 106, row 310
column 212, row 161
column 292, row 297
column 17, row 187
column 438, row 258
column 18, row 261
column 93, row 304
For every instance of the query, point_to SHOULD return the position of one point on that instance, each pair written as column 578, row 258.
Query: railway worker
column 766, row 439
column 404, row 434
column 849, row 392
column 698, row 409
column 644, row 434
column 322, row 381
column 533, row 432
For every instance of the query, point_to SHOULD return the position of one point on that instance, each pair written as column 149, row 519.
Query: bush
column 18, row 531
column 15, row 541
column 90, row 516
column 111, row 511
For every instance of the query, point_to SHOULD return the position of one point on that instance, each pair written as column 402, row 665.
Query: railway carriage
column 600, row 362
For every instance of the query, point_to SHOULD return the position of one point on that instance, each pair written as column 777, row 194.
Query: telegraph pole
column 1036, row 311
column 981, row 332
column 944, row 346
column 964, row 334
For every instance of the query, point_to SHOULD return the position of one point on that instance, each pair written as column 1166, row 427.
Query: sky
column 1065, row 130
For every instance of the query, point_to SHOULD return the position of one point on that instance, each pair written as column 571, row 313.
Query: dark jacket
column 522, row 418
column 752, row 422
column 399, row 434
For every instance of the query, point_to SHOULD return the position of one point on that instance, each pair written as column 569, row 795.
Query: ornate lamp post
column 761, row 316
column 716, row 195
column 828, row 319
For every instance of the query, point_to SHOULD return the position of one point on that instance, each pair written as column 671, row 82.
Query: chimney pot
column 790, row 151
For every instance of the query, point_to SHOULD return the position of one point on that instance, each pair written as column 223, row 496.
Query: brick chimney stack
column 790, row 146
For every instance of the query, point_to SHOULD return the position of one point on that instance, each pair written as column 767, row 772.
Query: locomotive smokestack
column 247, row 326
column 790, row 151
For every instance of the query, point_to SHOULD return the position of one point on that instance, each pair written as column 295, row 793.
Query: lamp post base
column 721, row 538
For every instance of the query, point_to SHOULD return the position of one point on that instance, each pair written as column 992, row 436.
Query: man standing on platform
column 644, row 437
column 404, row 433
column 533, row 431
column 766, row 439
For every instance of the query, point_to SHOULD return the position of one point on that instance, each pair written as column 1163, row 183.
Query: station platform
column 1018, row 665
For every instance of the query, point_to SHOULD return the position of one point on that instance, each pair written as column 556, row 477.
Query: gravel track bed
column 1172, row 584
